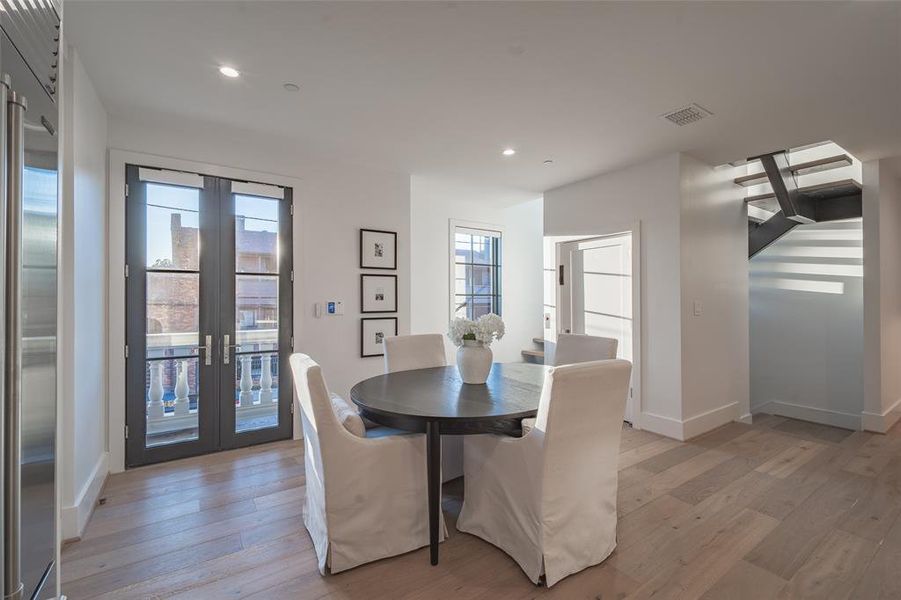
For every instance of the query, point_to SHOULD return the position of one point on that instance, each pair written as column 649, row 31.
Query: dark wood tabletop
column 409, row 399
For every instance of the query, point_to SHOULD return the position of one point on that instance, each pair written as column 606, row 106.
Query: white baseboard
column 881, row 422
column 692, row 426
column 809, row 413
column 709, row 420
column 666, row 426
column 747, row 419
column 73, row 519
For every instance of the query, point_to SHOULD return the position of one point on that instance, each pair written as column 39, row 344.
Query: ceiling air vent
column 687, row 114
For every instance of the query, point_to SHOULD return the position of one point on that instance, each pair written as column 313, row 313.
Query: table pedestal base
column 433, row 451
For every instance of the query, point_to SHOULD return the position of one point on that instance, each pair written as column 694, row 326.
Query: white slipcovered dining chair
column 423, row 351
column 575, row 348
column 365, row 496
column 408, row 352
column 548, row 499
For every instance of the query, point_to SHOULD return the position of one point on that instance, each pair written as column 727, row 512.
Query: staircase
column 536, row 353
column 772, row 213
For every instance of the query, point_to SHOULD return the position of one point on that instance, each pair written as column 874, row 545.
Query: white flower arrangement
column 485, row 329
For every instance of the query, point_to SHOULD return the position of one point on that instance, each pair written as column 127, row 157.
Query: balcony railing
column 172, row 408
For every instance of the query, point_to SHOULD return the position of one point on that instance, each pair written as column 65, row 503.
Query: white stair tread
column 805, row 168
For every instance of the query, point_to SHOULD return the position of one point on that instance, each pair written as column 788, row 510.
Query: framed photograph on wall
column 378, row 293
column 373, row 331
column 378, row 249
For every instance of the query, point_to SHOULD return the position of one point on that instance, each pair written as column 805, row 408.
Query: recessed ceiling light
column 508, row 152
column 229, row 71
column 290, row 87
column 548, row 162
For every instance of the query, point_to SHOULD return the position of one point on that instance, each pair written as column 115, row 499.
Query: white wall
column 83, row 284
column 332, row 202
column 648, row 193
column 890, row 284
column 807, row 330
column 882, row 295
column 433, row 204
column 714, row 255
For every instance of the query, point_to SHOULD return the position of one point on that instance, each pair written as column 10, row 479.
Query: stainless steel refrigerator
column 29, row 55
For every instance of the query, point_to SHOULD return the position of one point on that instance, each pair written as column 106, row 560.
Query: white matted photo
column 378, row 293
column 374, row 330
column 378, row 249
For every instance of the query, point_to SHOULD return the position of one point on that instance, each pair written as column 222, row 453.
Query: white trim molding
column 73, row 519
column 665, row 426
column 691, row 427
column 808, row 413
column 709, row 420
column 881, row 422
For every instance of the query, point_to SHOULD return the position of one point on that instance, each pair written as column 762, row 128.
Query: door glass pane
column 256, row 391
column 172, row 393
column 173, row 235
column 256, row 235
column 256, row 313
column 172, row 314
column 604, row 294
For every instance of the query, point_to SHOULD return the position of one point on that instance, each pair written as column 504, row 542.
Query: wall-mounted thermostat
column 334, row 307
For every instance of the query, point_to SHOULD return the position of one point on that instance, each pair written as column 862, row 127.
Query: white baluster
column 266, row 379
column 246, row 383
column 155, row 408
column 181, row 389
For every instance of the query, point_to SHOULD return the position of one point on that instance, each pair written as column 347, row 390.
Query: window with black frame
column 477, row 272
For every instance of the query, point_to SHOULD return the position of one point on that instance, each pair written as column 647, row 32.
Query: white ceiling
column 439, row 88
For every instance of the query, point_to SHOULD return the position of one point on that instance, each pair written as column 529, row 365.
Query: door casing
column 564, row 303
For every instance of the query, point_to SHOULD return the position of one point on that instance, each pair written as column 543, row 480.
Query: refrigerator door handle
column 12, row 467
column 4, row 94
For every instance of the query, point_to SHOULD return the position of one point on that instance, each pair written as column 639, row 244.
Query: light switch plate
column 697, row 308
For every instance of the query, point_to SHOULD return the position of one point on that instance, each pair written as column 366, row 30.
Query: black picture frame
column 393, row 237
column 363, row 334
column 363, row 278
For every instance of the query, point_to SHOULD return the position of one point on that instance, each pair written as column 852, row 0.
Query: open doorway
column 597, row 284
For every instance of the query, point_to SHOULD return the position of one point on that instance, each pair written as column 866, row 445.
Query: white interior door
column 596, row 297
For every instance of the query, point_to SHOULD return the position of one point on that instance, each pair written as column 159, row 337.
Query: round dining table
column 436, row 402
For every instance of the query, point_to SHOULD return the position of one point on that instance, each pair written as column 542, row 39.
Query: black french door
column 208, row 314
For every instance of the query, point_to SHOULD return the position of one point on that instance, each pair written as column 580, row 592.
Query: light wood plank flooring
column 778, row 509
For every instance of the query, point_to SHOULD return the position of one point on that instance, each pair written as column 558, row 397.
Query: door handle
column 207, row 350
column 226, row 349
column 14, row 145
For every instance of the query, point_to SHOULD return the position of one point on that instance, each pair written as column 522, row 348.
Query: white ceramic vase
column 474, row 361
